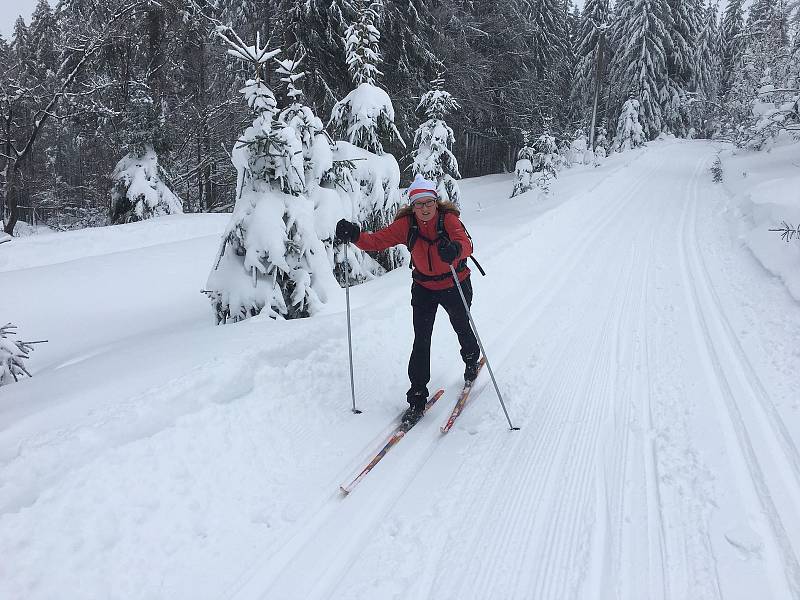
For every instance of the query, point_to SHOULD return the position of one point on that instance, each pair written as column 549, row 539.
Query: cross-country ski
column 399, row 433
column 463, row 396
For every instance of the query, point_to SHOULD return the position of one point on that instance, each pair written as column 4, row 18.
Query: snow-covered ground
column 765, row 192
column 648, row 357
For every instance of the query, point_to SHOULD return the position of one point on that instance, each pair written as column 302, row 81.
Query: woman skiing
column 436, row 238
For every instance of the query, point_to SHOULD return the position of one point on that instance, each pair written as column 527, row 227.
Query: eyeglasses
column 424, row 203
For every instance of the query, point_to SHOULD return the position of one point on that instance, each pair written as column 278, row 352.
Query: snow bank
column 60, row 247
column 87, row 290
column 765, row 188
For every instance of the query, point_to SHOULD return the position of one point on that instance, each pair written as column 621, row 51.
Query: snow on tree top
column 368, row 100
column 255, row 54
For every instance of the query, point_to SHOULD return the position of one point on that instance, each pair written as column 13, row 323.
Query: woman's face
column 424, row 209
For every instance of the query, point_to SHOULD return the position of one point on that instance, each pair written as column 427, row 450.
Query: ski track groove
column 559, row 273
column 597, row 581
column 637, row 349
column 552, row 433
column 604, row 377
column 656, row 504
column 564, row 529
column 699, row 293
column 756, row 387
column 652, row 492
column 547, row 428
column 632, row 193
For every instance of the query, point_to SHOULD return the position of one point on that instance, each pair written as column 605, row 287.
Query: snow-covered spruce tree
column 733, row 42
column 545, row 160
column 708, row 72
column 13, row 353
column 44, row 34
column 537, row 163
column 600, row 142
column 317, row 146
column 139, row 190
column 596, row 14
column 629, row 128
column 313, row 29
column 581, row 153
column 364, row 118
column 684, row 31
column 326, row 183
column 270, row 260
column 566, row 158
column 433, row 157
column 763, row 100
column 551, row 57
column 770, row 18
column 640, row 40
column 523, row 171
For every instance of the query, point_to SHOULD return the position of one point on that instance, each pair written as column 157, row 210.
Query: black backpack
column 441, row 233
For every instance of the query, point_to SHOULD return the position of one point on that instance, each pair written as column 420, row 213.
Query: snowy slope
column 765, row 194
column 647, row 356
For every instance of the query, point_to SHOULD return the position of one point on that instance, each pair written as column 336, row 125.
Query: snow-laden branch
column 788, row 232
column 13, row 353
column 70, row 74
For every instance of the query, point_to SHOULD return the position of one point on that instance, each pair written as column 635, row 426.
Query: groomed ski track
column 617, row 358
column 649, row 360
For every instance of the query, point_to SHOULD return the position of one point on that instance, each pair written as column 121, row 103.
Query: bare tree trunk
column 597, row 82
column 207, row 184
column 11, row 201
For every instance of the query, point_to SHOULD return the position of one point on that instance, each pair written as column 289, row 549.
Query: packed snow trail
column 616, row 375
column 649, row 360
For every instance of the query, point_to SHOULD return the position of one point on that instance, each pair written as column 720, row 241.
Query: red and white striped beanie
column 422, row 189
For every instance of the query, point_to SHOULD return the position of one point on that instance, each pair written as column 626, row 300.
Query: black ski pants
column 425, row 302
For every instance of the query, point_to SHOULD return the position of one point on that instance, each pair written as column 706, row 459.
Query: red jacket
column 425, row 254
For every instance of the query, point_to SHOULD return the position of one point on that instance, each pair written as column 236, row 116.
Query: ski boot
column 416, row 409
column 471, row 372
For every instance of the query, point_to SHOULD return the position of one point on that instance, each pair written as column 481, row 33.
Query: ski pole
column 483, row 350
column 349, row 336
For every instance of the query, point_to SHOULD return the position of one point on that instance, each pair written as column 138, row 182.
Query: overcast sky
column 10, row 10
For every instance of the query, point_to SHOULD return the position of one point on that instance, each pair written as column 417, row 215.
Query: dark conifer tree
column 733, row 43
column 641, row 40
column 596, row 14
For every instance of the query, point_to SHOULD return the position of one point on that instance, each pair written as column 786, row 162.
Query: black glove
column 347, row 231
column 449, row 251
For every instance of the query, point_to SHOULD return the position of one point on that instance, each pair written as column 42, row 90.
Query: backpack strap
column 441, row 232
column 413, row 232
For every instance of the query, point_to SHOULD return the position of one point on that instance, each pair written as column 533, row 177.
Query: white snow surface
column 765, row 192
column 649, row 359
